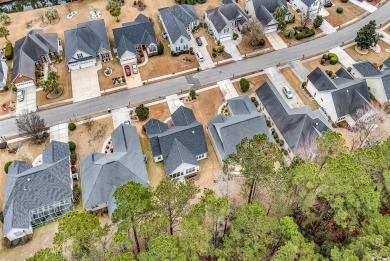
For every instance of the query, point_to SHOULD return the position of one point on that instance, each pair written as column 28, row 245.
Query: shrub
column 1, row 217
column 261, row 42
column 281, row 142
column 275, row 135
column 160, row 48
column 135, row 3
column 73, row 169
column 73, row 156
column 214, row 50
column 349, row 69
column 334, row 60
column 9, row 50
column 253, row 99
column 173, row 53
column 304, row 84
column 323, row 61
column 298, row 10
column 73, row 161
column 72, row 126
column 72, row 145
column 339, row 10
column 256, row 103
column 14, row 89
column 268, row 122
column 285, row 152
column 142, row 112
column 6, row 166
column 244, row 85
column 5, row 88
column 193, row 94
column 346, row 1
column 325, row 56
column 214, row 54
column 235, row 36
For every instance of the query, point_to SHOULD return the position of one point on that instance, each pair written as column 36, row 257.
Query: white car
column 199, row 56
column 20, row 95
column 287, row 92
column 134, row 68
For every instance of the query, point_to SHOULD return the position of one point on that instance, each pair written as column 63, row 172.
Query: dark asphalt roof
column 102, row 174
column 264, row 9
column 308, row 2
column 228, row 132
column 138, row 32
column 29, row 50
column 321, row 80
column 89, row 37
column 176, row 19
column 366, row 69
column 28, row 187
column 387, row 62
column 298, row 126
column 186, row 130
column 342, row 73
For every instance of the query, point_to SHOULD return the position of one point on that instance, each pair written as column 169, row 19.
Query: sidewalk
column 363, row 4
column 227, row 89
column 327, row 27
column 344, row 58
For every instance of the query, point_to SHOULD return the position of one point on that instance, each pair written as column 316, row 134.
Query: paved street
column 160, row 89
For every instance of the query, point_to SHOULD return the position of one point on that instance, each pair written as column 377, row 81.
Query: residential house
column 3, row 73
column 180, row 146
column 263, row 11
column 35, row 195
column 244, row 121
column 178, row 22
column 341, row 98
column 87, row 44
column 134, row 37
column 310, row 7
column 297, row 126
column 225, row 20
column 377, row 80
column 35, row 49
column 102, row 174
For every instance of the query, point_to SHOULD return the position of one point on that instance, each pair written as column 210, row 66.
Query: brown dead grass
column 245, row 48
column 256, row 82
column 311, row 65
column 211, row 44
column 117, row 71
column 350, row 12
column 296, row 84
column 91, row 142
column 371, row 56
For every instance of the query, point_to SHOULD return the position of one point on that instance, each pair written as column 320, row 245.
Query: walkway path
column 344, row 58
column 327, row 27
column 275, row 40
column 59, row 132
column 277, row 79
column 366, row 6
column 231, row 49
column 386, row 36
column 299, row 69
column 119, row 116
column 227, row 89
column 171, row 86
column 30, row 101
column 174, row 102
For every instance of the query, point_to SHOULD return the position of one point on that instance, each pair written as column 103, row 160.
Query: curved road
column 168, row 87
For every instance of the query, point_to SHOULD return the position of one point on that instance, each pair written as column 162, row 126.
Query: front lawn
column 373, row 57
column 350, row 11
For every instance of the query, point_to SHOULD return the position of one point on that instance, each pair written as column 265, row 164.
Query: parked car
column 134, row 67
column 20, row 95
column 287, row 92
column 198, row 41
column 199, row 56
column 127, row 70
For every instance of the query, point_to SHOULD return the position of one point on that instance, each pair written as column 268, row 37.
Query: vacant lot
column 296, row 84
column 88, row 142
column 311, row 65
column 256, row 82
column 373, row 57
column 350, row 12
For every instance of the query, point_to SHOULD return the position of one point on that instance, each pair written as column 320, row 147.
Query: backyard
column 350, row 11
column 373, row 57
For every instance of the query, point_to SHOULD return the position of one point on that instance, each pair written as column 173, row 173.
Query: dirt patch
column 245, row 48
column 117, row 71
column 91, row 142
column 256, row 82
column 311, row 65
column 350, row 12
column 373, row 57
column 296, row 84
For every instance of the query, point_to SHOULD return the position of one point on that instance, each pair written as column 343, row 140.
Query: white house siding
column 98, row 206
column 181, row 171
column 5, row 73
column 377, row 89
column 271, row 27
column 181, row 44
column 11, row 234
column 24, row 85
column 325, row 100
column 158, row 158
column 225, row 34
column 128, row 58
column 298, row 4
column 152, row 49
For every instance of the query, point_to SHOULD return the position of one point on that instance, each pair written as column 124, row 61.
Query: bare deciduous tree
column 256, row 29
column 89, row 123
column 307, row 151
column 305, row 18
column 32, row 124
column 364, row 126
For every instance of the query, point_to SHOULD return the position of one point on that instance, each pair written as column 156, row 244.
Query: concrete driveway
column 277, row 79
column 85, row 83
column 231, row 49
column 59, row 132
column 227, row 89
column 134, row 80
column 30, row 100
column 119, row 116
column 208, row 62
column 275, row 40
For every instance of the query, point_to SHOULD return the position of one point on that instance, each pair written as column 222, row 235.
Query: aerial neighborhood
column 195, row 130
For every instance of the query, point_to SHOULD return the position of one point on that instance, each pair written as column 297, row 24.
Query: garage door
column 87, row 63
column 225, row 37
column 270, row 29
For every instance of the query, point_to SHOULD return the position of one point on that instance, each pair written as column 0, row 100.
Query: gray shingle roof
column 28, row 187
column 264, row 9
column 29, row 50
column 298, row 126
column 216, row 18
column 387, row 62
column 177, row 155
column 138, row 32
column 342, row 73
column 102, row 174
column 366, row 69
column 227, row 12
column 90, row 38
column 176, row 19
column 321, row 80
column 186, row 130
column 228, row 132
column 308, row 2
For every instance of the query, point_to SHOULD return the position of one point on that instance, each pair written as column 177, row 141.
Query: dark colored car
column 127, row 70
column 198, row 41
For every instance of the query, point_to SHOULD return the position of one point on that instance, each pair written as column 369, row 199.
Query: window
column 177, row 48
column 79, row 55
column 185, row 47
column 105, row 56
column 152, row 48
column 181, row 40
column 158, row 157
column 18, row 234
column 226, row 30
